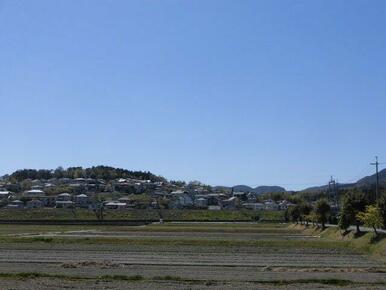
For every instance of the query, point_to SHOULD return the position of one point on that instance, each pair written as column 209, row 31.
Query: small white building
column 115, row 205
column 63, row 197
column 34, row 193
column 5, row 195
column 82, row 200
column 16, row 204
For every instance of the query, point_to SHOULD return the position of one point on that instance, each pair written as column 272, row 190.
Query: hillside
column 363, row 182
column 369, row 180
column 260, row 189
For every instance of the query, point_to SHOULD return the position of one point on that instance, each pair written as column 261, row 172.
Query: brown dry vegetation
column 187, row 256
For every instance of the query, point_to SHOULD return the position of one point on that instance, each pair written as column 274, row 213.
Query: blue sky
column 226, row 92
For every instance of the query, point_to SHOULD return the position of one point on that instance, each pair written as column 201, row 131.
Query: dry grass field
column 185, row 256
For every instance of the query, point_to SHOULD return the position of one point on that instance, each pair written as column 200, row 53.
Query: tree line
column 357, row 208
column 96, row 172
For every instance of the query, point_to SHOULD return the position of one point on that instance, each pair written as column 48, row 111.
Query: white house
column 63, row 197
column 34, row 193
column 5, row 195
column 16, row 204
column 115, row 205
column 82, row 200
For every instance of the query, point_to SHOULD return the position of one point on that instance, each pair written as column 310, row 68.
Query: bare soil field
column 181, row 256
column 52, row 283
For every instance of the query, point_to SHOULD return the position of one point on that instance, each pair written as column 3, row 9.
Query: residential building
column 115, row 205
column 201, row 202
column 16, row 204
column 82, row 200
column 63, row 197
column 34, row 193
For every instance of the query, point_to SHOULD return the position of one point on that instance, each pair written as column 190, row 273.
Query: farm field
column 58, row 214
column 182, row 256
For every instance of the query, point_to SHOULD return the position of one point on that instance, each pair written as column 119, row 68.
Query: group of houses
column 89, row 193
column 219, row 201
column 36, row 198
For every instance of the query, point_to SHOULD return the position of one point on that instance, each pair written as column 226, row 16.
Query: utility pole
column 376, row 163
column 332, row 190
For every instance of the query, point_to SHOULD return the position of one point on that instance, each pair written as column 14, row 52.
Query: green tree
column 305, row 209
column 322, row 210
column 313, row 217
column 382, row 208
column 353, row 203
column 344, row 220
column 347, row 214
column 371, row 218
column 293, row 213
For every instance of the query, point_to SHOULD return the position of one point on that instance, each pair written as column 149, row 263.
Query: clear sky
column 225, row 92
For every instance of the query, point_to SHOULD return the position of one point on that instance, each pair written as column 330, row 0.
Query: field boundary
column 123, row 222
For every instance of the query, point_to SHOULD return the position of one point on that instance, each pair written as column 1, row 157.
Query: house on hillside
column 230, row 203
column 252, row 197
column 34, row 193
column 201, row 202
column 185, row 200
column 4, row 195
column 242, row 196
column 15, row 204
column 181, row 199
column 37, row 187
column 82, row 200
column 130, row 203
column 115, row 205
column 214, row 199
column 63, row 197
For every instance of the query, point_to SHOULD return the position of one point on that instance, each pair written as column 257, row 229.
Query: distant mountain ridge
column 260, row 189
column 368, row 180
column 363, row 182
